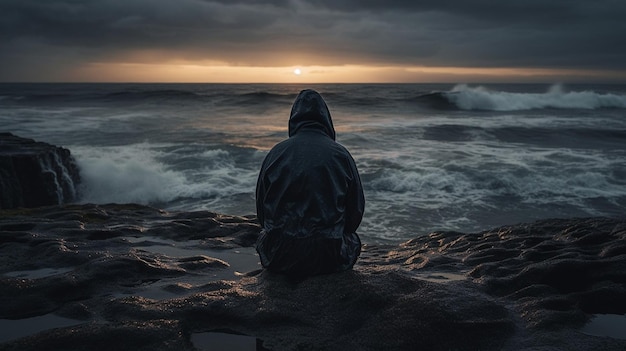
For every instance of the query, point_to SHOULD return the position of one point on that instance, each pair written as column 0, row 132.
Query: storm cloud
column 569, row 34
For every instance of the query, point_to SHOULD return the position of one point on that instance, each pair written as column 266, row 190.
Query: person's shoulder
column 341, row 147
column 281, row 144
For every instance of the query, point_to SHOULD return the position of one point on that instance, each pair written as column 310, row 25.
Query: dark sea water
column 431, row 157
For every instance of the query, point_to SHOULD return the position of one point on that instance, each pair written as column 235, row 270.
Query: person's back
column 309, row 197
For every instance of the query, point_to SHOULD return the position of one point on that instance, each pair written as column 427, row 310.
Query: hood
column 310, row 111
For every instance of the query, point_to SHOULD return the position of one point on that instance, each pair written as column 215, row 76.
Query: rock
column 138, row 278
column 35, row 174
column 557, row 271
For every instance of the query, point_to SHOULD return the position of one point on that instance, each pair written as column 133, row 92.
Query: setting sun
column 297, row 71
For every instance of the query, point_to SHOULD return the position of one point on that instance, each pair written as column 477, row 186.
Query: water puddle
column 14, row 329
column 441, row 277
column 37, row 273
column 240, row 260
column 215, row 341
column 611, row 325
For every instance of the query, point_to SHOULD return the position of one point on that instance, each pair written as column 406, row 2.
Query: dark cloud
column 463, row 33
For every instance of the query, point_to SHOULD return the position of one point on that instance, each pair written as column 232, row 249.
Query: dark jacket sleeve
column 355, row 202
column 260, row 193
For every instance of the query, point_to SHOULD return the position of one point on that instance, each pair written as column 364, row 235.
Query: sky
column 313, row 41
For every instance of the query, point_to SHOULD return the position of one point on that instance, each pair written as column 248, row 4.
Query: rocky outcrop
column 556, row 271
column 35, row 174
column 132, row 277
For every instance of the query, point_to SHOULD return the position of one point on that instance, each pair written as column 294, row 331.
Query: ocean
column 432, row 157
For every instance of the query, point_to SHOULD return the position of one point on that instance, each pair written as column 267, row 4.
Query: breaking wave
column 146, row 174
column 459, row 97
column 465, row 97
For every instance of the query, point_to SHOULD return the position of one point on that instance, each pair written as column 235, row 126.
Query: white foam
column 452, row 190
column 139, row 173
column 125, row 174
column 481, row 98
column 533, row 174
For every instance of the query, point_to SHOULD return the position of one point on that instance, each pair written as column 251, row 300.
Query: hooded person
column 309, row 197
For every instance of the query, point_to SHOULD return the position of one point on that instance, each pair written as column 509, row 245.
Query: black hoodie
column 309, row 196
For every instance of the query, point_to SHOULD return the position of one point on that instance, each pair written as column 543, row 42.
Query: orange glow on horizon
column 220, row 73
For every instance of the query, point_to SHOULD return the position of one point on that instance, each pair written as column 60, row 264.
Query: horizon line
column 555, row 82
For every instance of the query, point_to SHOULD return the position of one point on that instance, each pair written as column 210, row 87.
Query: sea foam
column 481, row 98
column 148, row 174
column 125, row 174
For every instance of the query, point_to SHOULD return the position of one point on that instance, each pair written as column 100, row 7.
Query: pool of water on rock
column 14, row 329
column 240, row 260
column 611, row 325
column 219, row 341
column 234, row 263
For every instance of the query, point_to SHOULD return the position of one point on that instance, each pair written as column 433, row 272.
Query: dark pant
column 301, row 257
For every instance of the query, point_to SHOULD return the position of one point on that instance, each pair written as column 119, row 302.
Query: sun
column 297, row 71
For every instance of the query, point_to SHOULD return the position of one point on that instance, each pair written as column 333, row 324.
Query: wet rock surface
column 35, row 173
column 550, row 269
column 132, row 277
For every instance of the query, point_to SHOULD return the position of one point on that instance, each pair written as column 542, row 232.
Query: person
column 309, row 197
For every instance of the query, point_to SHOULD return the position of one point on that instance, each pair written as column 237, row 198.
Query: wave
column 572, row 179
column 176, row 94
column 37, row 98
column 130, row 95
column 465, row 97
column 151, row 94
column 459, row 97
column 154, row 175
column 368, row 99
column 555, row 136
column 172, row 95
column 99, row 96
column 436, row 100
column 261, row 97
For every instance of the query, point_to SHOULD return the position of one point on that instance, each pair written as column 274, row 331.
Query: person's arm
column 260, row 195
column 355, row 201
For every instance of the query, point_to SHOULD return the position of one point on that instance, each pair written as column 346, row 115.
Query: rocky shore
column 34, row 173
column 130, row 277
